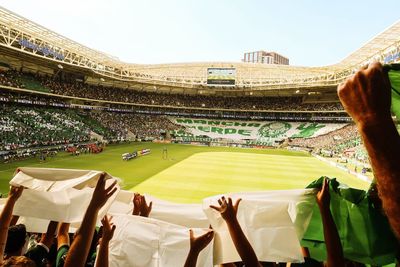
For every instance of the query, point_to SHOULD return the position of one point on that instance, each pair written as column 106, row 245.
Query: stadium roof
column 21, row 34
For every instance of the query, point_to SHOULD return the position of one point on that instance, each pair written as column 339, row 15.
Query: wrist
column 93, row 207
column 194, row 251
column 105, row 242
column 323, row 206
column 11, row 200
column 231, row 221
column 375, row 123
column 135, row 212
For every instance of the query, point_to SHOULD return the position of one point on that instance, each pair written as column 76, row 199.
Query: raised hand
column 108, row 233
column 197, row 244
column 102, row 194
column 140, row 206
column 80, row 247
column 136, row 204
column 366, row 96
column 323, row 196
column 243, row 247
column 227, row 209
column 144, row 208
column 108, row 229
column 15, row 192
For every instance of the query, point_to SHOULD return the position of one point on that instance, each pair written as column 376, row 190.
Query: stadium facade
column 265, row 57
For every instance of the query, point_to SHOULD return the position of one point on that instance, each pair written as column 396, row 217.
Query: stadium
column 182, row 133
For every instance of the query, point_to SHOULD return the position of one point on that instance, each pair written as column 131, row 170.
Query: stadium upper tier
column 18, row 34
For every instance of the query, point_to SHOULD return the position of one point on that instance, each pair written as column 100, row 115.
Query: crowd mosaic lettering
column 250, row 130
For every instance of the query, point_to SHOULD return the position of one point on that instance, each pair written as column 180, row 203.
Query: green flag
column 364, row 230
column 394, row 77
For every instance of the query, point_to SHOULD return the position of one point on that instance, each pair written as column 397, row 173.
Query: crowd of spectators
column 80, row 89
column 335, row 141
column 27, row 127
column 11, row 79
column 181, row 100
column 22, row 127
column 139, row 126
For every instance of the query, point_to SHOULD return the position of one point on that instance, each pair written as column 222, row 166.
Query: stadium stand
column 79, row 89
column 24, row 127
column 144, row 127
column 335, row 141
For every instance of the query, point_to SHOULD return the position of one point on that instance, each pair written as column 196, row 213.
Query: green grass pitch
column 193, row 172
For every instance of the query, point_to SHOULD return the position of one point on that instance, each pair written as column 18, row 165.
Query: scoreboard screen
column 221, row 76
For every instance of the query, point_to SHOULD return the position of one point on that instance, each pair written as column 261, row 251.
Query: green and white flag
column 394, row 76
column 252, row 130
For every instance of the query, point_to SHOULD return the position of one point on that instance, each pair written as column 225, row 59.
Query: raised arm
column 83, row 237
column 39, row 252
column 136, row 204
column 140, row 207
column 331, row 235
column 108, row 233
column 228, row 212
column 6, row 216
column 48, row 237
column 63, row 235
column 367, row 97
column 63, row 243
column 197, row 244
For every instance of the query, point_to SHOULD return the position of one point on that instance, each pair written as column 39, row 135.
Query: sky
column 308, row 32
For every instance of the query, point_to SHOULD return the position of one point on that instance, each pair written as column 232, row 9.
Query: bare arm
column 197, row 244
column 83, row 237
column 48, row 237
column 366, row 97
column 228, row 212
column 331, row 235
column 6, row 216
column 108, row 233
column 62, row 235
column 14, row 220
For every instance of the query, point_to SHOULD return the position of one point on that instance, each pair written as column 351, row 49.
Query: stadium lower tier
column 23, row 127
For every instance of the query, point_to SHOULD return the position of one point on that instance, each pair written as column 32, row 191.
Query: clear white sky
column 309, row 32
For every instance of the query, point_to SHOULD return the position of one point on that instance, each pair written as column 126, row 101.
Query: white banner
column 146, row 242
column 57, row 194
column 274, row 223
column 187, row 215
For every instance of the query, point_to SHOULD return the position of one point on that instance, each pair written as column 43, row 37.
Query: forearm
column 332, row 239
column 382, row 142
column 102, row 255
column 81, row 244
column 191, row 259
column 6, row 214
column 62, row 235
column 48, row 237
column 5, row 219
column 14, row 220
column 241, row 243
